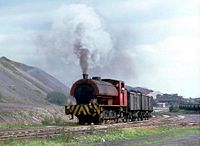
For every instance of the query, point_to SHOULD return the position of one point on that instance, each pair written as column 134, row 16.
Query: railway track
column 49, row 132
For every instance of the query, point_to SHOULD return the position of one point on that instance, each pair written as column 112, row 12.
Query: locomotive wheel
column 81, row 121
column 133, row 119
column 97, row 120
column 141, row 117
column 89, row 120
column 116, row 120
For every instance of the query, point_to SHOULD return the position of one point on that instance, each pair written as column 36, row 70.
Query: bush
column 59, row 121
column 56, row 98
column 47, row 121
column 174, row 108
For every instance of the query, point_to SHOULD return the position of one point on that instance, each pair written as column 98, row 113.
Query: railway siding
column 49, row 132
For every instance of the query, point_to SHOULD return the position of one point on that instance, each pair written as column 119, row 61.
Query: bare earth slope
column 23, row 90
column 22, row 84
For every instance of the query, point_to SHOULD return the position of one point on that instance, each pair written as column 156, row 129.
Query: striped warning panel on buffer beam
column 92, row 110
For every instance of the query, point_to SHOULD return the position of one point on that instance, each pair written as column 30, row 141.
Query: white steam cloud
column 77, row 31
column 78, row 35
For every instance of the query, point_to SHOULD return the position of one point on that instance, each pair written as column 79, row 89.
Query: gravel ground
column 191, row 118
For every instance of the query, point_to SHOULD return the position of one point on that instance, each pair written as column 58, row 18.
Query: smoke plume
column 79, row 36
column 82, row 54
column 77, row 32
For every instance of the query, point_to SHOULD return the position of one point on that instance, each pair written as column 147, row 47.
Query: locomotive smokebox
column 85, row 76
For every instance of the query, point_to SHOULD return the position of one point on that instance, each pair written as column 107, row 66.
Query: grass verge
column 47, row 121
column 110, row 135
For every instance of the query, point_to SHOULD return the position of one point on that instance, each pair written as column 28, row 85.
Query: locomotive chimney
column 85, row 76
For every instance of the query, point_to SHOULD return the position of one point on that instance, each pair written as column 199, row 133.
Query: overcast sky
column 157, row 42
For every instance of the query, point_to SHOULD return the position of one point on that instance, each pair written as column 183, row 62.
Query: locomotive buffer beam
column 85, row 110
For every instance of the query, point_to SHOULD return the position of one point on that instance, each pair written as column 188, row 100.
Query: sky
column 153, row 44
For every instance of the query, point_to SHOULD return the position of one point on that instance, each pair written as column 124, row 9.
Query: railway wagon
column 139, row 105
column 134, row 105
column 99, row 100
column 190, row 106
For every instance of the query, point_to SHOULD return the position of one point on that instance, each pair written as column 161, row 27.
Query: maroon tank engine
column 99, row 100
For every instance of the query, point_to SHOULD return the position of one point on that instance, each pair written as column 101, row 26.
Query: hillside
column 26, row 85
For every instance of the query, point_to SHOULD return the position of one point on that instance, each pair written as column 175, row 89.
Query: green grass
column 136, row 133
column 20, row 126
column 110, row 135
column 48, row 121
column 33, row 143
column 176, row 131
column 44, row 124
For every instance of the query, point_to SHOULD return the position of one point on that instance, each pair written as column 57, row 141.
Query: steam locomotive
column 99, row 100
